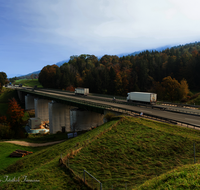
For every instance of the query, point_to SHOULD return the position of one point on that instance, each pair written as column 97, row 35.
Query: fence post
column 100, row 186
column 84, row 175
column 194, row 154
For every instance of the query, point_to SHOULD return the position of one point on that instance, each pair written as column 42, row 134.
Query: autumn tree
column 15, row 114
column 171, row 88
column 47, row 76
column 184, row 90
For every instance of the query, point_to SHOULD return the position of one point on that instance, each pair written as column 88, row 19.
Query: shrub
column 6, row 132
column 109, row 116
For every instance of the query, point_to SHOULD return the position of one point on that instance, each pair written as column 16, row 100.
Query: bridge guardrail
column 113, row 108
column 136, row 104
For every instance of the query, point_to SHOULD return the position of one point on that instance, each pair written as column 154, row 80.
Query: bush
column 21, row 133
column 194, row 96
column 109, row 116
column 6, row 132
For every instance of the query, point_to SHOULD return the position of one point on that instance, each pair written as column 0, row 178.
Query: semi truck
column 81, row 91
column 142, row 97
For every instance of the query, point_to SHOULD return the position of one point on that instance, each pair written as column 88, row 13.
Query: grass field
column 127, row 152
column 43, row 165
column 7, row 148
column 29, row 82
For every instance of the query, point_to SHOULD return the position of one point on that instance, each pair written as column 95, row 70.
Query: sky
column 36, row 33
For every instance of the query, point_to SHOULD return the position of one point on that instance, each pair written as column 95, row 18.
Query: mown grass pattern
column 133, row 152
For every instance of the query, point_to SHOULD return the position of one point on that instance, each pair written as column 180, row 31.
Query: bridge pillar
column 85, row 120
column 29, row 102
column 59, row 117
column 21, row 96
column 41, row 109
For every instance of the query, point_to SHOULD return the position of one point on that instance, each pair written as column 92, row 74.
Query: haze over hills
column 99, row 57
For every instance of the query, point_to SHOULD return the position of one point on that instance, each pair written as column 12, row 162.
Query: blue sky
column 36, row 33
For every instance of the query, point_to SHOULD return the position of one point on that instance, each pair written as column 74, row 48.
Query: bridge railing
column 111, row 107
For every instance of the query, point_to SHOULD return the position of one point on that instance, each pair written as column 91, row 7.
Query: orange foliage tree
column 184, row 90
column 70, row 88
column 15, row 114
column 3, row 119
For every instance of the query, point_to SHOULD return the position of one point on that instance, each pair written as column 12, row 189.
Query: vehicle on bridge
column 142, row 97
column 81, row 91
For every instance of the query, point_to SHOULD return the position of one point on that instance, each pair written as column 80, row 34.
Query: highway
column 186, row 118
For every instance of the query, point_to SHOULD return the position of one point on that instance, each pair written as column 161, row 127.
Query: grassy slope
column 186, row 177
column 44, row 165
column 131, row 152
column 29, row 82
column 135, row 151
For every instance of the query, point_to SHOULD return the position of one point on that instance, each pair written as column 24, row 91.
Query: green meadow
column 126, row 152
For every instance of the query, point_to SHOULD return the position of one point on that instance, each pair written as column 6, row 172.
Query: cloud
column 68, row 23
column 52, row 29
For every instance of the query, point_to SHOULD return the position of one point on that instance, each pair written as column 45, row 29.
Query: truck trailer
column 82, row 91
column 34, row 123
column 142, row 97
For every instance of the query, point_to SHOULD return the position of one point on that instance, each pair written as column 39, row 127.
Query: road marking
column 146, row 111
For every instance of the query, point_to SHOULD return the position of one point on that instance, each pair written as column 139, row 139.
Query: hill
column 29, row 82
column 185, row 177
column 123, row 152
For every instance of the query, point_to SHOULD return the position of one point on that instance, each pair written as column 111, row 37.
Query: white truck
column 142, row 97
column 82, row 91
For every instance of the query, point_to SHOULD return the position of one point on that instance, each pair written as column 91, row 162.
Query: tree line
column 172, row 70
column 3, row 79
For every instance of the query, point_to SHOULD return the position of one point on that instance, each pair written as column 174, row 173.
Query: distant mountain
column 37, row 72
column 62, row 62
column 14, row 75
column 159, row 49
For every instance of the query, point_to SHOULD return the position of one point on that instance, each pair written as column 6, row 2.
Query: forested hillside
column 170, row 73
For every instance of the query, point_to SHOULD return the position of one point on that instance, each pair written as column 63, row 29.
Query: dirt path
column 24, row 143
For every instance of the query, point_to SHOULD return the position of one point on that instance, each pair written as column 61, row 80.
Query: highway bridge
column 100, row 103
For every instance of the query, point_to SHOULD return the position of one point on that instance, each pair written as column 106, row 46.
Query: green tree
column 2, row 82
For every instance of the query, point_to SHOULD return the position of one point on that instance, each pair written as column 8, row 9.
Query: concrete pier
column 59, row 117
column 29, row 102
column 41, row 109
column 85, row 120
